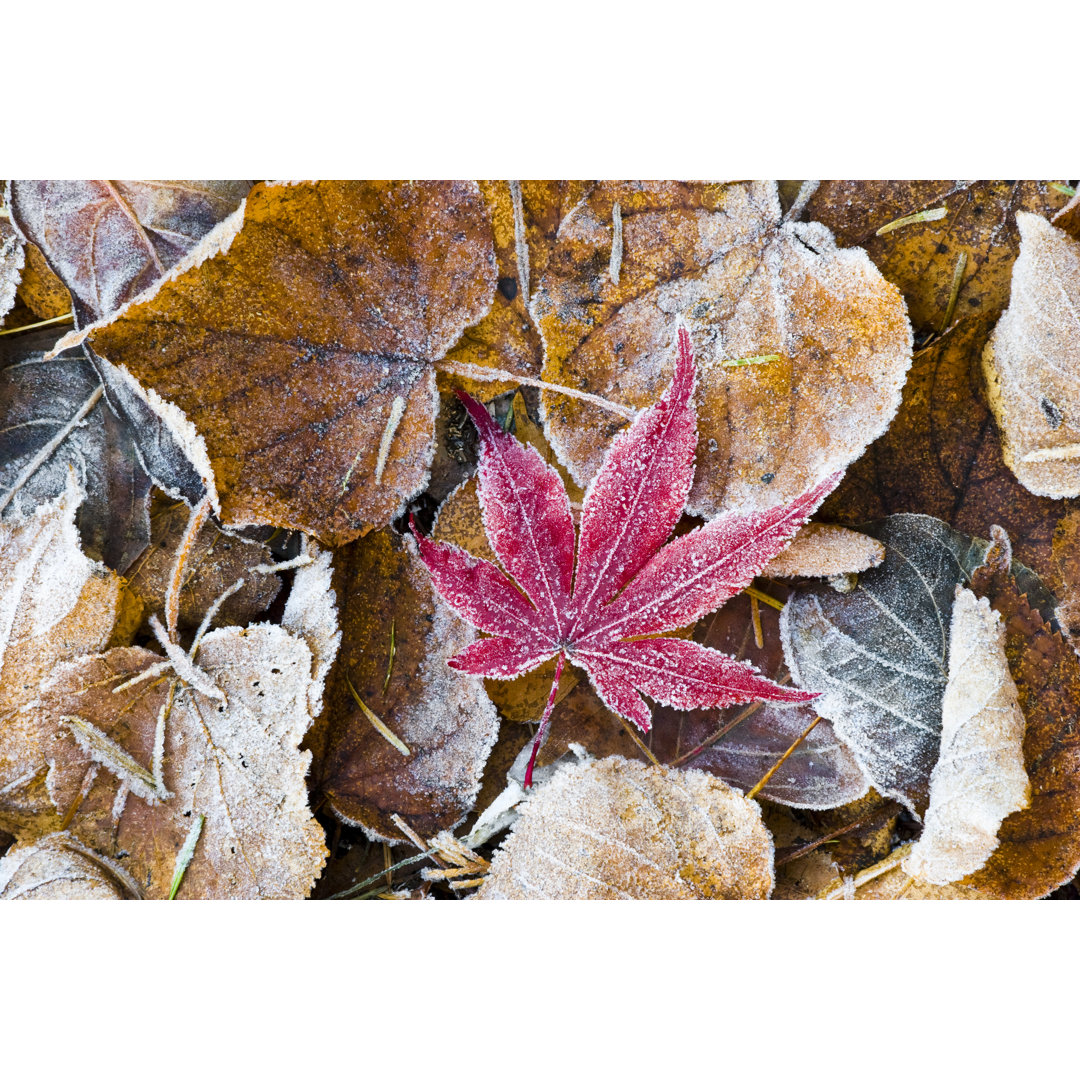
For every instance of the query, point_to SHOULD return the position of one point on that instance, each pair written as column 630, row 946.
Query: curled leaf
column 618, row 829
column 58, row 867
column 823, row 550
column 12, row 260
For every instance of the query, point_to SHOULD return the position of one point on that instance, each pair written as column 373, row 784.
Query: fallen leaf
column 12, row 260
column 1039, row 848
column 40, row 289
column 215, row 562
column 337, row 299
column 107, row 240
column 626, row 587
column 618, row 829
column 235, row 760
column 879, row 654
column 825, row 550
column 55, row 605
column 1031, row 360
column 979, row 777
column 58, row 867
column 750, row 288
column 888, row 880
column 524, row 226
column 922, row 258
column 53, row 420
column 444, row 720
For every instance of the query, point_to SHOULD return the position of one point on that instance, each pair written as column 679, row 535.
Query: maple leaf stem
column 638, row 740
column 541, row 735
column 783, row 757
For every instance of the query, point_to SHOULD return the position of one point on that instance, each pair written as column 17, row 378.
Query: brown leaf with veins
column 107, row 240
column 302, row 355
column 1031, row 362
column 58, row 867
column 443, row 718
column 942, row 456
column 506, row 337
column 1039, row 848
column 921, row 258
column 215, row 562
column 802, row 348
column 618, row 829
column 55, row 605
column 236, row 761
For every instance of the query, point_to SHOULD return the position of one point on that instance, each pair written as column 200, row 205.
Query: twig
column 755, row 618
column 198, row 517
column 637, row 740
column 783, row 757
column 60, row 319
column 765, row 598
column 890, row 862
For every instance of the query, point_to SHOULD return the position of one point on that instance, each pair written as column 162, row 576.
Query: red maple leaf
column 606, row 616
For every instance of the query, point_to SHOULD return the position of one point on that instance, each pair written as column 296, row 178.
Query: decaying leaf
column 444, row 720
column 234, row 759
column 296, row 365
column 825, row 550
column 979, row 777
column 1039, row 848
column 879, row 654
column 53, row 420
column 55, row 605
column 1032, row 359
column 40, row 289
column 921, row 258
column 12, row 260
column 750, row 288
column 58, row 867
column 618, row 829
column 525, row 217
column 107, row 240
column 215, row 562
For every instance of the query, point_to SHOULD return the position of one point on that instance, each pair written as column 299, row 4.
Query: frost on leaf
column 396, row 638
column 235, row 759
column 1039, row 848
column 879, row 654
column 12, row 260
column 53, row 420
column 107, row 240
column 214, row 563
column 824, row 550
column 618, row 829
column 604, row 609
column 55, row 605
column 1032, row 359
column 979, row 777
column 749, row 287
column 302, row 357
column 58, row 867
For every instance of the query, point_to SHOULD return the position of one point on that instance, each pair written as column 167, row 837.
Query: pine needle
column 186, row 854
column 376, row 723
column 764, row 358
column 38, row 325
column 913, row 219
column 615, row 263
column 390, row 664
column 755, row 618
column 765, row 598
column 954, row 293
column 1065, row 189
column 783, row 757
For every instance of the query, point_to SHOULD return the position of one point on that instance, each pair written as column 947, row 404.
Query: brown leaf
column 618, row 829
column 979, row 777
column 1031, row 360
column 302, row 357
column 1039, row 847
column 236, row 761
column 40, row 289
column 55, row 605
column 215, row 562
column 107, row 240
column 441, row 717
column 506, row 338
column 825, row 550
column 942, row 457
column 750, row 289
column 921, row 258
column 58, row 867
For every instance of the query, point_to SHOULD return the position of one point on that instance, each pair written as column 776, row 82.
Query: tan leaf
column 1031, row 362
column 422, row 755
column 524, row 224
column 40, row 289
column 55, row 605
column 618, row 829
column 235, row 761
column 979, row 777
column 297, row 363
column 107, row 240
column 60, row 868
column 802, row 348
column 215, row 562
column 824, row 550
column 12, row 261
